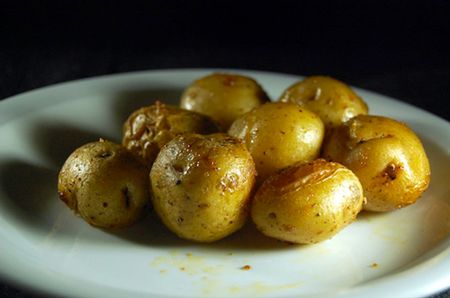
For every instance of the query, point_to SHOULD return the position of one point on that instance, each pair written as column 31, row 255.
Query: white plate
column 45, row 247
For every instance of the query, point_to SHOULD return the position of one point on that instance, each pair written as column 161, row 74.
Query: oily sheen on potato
column 307, row 203
column 202, row 185
column 278, row 135
column 387, row 157
column 149, row 128
column 105, row 184
column 223, row 97
column 332, row 100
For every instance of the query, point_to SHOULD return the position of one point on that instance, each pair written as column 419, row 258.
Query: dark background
column 397, row 48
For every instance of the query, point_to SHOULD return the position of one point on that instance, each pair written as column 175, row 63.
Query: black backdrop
column 397, row 48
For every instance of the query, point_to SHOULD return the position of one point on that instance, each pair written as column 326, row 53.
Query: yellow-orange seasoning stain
column 374, row 265
column 262, row 288
column 246, row 267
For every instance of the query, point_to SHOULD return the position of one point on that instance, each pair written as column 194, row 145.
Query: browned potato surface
column 278, row 135
column 149, row 128
column 202, row 185
column 223, row 97
column 105, row 184
column 307, row 203
column 333, row 101
column 387, row 157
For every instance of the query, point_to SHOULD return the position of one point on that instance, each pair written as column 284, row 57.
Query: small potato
column 278, row 135
column 333, row 101
column 202, row 185
column 307, row 203
column 223, row 97
column 149, row 128
column 387, row 157
column 105, row 184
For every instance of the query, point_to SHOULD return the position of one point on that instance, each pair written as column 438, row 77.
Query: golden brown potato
column 307, row 203
column 387, row 157
column 333, row 101
column 278, row 135
column 149, row 128
column 202, row 185
column 105, row 184
column 223, row 97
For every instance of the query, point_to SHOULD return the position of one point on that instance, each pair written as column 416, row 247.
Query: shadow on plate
column 125, row 102
column 56, row 141
column 151, row 232
column 29, row 191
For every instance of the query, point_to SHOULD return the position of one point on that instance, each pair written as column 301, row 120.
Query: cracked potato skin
column 387, row 157
column 332, row 100
column 202, row 185
column 105, row 184
column 149, row 128
column 278, row 135
column 223, row 97
column 307, row 203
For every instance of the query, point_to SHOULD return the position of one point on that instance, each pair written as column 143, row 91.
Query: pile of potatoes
column 302, row 167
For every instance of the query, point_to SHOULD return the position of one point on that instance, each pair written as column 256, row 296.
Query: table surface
column 402, row 52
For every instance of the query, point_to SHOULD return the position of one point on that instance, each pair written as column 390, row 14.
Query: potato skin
column 149, row 128
column 223, row 97
column 387, row 157
column 332, row 100
column 202, row 185
column 307, row 203
column 278, row 135
column 105, row 184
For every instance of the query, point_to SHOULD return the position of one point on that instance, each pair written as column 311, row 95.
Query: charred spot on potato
column 63, row 196
column 105, row 204
column 178, row 182
column 391, row 171
column 203, row 205
column 178, row 168
column 127, row 196
column 272, row 215
column 180, row 220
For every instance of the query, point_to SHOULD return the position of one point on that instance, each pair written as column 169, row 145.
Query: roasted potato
column 387, row 157
column 333, row 101
column 105, row 184
column 278, row 135
column 202, row 185
column 149, row 128
column 223, row 97
column 307, row 203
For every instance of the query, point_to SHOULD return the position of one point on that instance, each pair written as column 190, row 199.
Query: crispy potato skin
column 387, row 157
column 332, row 100
column 149, row 128
column 223, row 97
column 202, row 185
column 307, row 203
column 105, row 184
column 278, row 135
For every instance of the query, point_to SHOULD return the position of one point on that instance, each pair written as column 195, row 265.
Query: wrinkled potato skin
column 223, row 97
column 387, row 157
column 278, row 135
column 149, row 128
column 333, row 101
column 202, row 185
column 307, row 203
column 105, row 184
